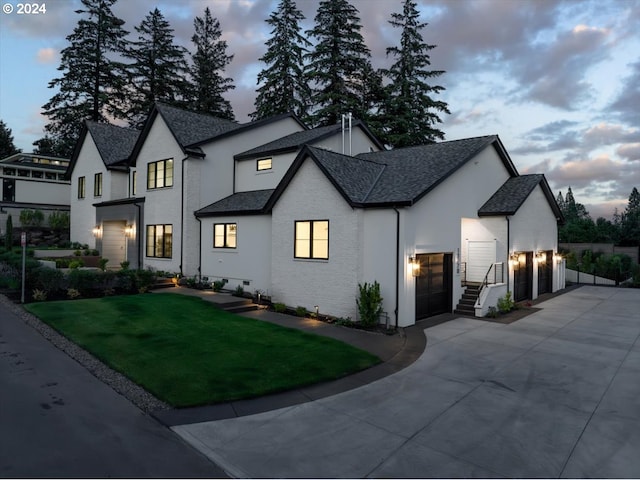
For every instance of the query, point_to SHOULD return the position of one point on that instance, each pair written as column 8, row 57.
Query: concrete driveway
column 555, row 394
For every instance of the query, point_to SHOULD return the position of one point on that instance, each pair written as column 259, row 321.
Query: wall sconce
column 414, row 263
column 513, row 259
column 541, row 255
column 96, row 231
column 128, row 231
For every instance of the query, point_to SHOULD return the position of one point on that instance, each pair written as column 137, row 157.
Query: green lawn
column 188, row 352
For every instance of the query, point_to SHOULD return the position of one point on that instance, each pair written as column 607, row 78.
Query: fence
column 576, row 276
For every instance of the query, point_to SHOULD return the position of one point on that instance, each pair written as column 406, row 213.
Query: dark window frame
column 225, row 235
column 312, row 239
column 97, row 185
column 154, row 179
column 82, row 185
column 263, row 168
column 155, row 249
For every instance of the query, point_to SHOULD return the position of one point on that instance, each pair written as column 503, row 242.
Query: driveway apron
column 60, row 421
column 554, row 394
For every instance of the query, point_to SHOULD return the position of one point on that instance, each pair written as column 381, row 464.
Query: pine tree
column 284, row 87
column 561, row 203
column 158, row 69
column 410, row 112
column 91, row 86
column 7, row 147
column 209, row 60
column 630, row 220
column 339, row 65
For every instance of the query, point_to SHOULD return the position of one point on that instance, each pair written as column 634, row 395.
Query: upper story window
column 312, row 239
column 134, row 182
column 97, row 185
column 160, row 174
column 264, row 164
column 50, row 176
column 10, row 171
column 81, row 187
column 24, row 173
column 37, row 174
column 225, row 235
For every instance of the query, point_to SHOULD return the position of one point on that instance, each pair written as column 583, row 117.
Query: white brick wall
column 332, row 284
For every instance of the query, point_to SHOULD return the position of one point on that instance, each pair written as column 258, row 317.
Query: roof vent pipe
column 346, row 119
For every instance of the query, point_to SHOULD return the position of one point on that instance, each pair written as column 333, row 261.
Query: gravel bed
column 121, row 384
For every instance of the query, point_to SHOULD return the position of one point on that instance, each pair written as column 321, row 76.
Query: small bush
column 301, row 311
column 77, row 253
column 31, row 218
column 493, row 312
column 39, row 295
column 72, row 293
column 218, row 285
column 346, row 322
column 102, row 263
column 280, row 307
column 75, row 264
column 369, row 304
column 108, row 292
column 48, row 279
column 239, row 291
column 59, row 220
column 505, row 304
column 124, row 265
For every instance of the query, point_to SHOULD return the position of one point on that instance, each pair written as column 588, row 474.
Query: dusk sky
column 558, row 81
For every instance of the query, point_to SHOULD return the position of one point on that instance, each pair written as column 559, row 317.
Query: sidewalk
column 396, row 352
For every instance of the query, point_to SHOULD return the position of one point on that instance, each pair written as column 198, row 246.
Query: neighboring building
column 33, row 182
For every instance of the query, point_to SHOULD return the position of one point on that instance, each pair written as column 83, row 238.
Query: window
column 312, row 239
column 24, row 173
column 8, row 190
column 159, row 241
column 264, row 164
column 10, row 171
column 160, row 174
column 224, row 235
column 81, row 187
column 134, row 179
column 97, row 185
column 50, row 176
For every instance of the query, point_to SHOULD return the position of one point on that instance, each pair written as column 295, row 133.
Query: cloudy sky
column 558, row 81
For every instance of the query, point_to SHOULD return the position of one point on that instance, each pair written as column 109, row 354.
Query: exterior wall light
column 97, row 230
column 129, row 231
column 414, row 263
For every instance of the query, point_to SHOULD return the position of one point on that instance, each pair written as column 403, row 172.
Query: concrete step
column 468, row 296
column 162, row 283
column 241, row 308
column 465, row 311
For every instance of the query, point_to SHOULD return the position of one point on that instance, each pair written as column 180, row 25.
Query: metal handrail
column 486, row 283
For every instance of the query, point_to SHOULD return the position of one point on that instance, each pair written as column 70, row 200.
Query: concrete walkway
column 555, row 394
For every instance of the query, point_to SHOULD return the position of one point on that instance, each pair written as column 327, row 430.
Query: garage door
column 434, row 285
column 545, row 270
column 113, row 243
column 523, row 277
column 480, row 256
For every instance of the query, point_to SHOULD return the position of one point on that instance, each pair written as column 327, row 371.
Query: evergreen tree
column 209, row 60
column 410, row 112
column 338, row 65
column 578, row 227
column 7, row 147
column 53, row 147
column 630, row 220
column 561, row 203
column 91, row 86
column 284, row 87
column 158, row 69
column 8, row 233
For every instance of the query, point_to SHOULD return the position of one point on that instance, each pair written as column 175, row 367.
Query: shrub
column 124, row 265
column 505, row 304
column 102, row 263
column 280, row 307
column 144, row 279
column 239, row 291
column 48, row 279
column 85, row 281
column 59, row 220
column 8, row 234
column 39, row 295
column 369, row 303
column 301, row 311
column 218, row 285
column 72, row 293
column 75, row 264
column 493, row 312
column 77, row 253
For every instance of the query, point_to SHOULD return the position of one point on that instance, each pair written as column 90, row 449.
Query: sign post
column 23, row 243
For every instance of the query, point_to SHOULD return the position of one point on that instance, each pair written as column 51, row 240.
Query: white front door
column 480, row 256
column 114, row 243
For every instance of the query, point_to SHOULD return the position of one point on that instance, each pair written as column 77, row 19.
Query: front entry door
column 434, row 285
column 545, row 270
column 523, row 277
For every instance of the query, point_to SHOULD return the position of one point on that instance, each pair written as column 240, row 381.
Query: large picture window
column 97, row 185
column 160, row 174
column 81, row 187
column 312, row 239
column 225, row 235
column 159, row 241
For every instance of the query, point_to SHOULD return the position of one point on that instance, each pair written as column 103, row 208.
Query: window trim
column 264, row 169
column 97, row 184
column 154, row 245
column 156, row 176
column 82, row 187
column 311, row 239
column 225, row 235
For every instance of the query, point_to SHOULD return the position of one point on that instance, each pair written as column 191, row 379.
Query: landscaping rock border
column 137, row 395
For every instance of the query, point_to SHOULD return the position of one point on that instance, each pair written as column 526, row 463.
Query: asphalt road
column 57, row 420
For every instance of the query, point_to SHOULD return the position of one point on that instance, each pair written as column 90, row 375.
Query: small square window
column 225, row 235
column 312, row 239
column 264, row 164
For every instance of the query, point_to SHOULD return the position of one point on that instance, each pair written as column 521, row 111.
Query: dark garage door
column 433, row 286
column 545, row 270
column 523, row 277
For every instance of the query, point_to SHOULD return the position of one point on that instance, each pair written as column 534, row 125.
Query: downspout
column 508, row 249
column 397, row 264
column 182, row 215
column 199, row 249
column 139, row 234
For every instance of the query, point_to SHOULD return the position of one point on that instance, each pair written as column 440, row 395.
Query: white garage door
column 114, row 243
column 480, row 256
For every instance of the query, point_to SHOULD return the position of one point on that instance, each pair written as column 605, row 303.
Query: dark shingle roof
column 238, row 203
column 114, row 144
column 400, row 176
column 291, row 142
column 190, row 128
column 511, row 195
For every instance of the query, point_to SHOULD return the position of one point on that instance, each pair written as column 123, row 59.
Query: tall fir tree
column 209, row 61
column 630, row 220
column 339, row 66
column 7, row 147
column 158, row 71
column 91, row 86
column 284, row 86
column 410, row 112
